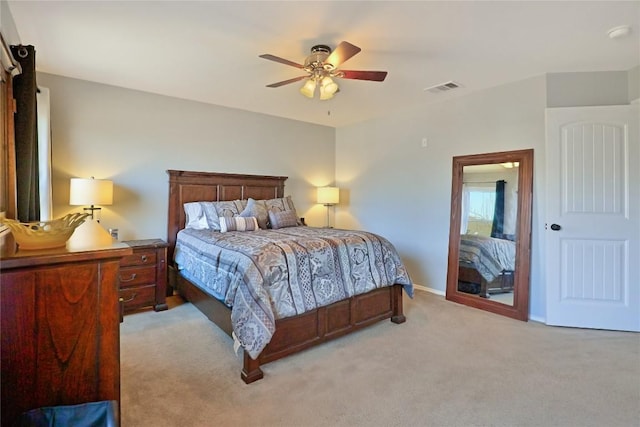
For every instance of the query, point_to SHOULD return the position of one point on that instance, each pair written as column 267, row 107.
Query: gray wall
column 402, row 190
column 588, row 89
column 133, row 137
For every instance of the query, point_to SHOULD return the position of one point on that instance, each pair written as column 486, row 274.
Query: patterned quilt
column 271, row 274
column 488, row 255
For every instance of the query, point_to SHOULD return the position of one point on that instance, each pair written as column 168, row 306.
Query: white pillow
column 195, row 217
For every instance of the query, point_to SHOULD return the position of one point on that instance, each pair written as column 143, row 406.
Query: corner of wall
column 634, row 85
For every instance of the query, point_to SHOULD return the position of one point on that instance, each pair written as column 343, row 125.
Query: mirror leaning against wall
column 490, row 232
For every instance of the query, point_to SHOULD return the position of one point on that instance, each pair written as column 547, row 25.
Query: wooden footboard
column 306, row 330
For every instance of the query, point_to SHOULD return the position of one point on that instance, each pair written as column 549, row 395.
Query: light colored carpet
column 448, row 365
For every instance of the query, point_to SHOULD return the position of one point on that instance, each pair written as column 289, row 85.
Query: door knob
column 555, row 227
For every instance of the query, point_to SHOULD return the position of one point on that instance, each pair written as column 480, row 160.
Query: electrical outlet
column 424, row 142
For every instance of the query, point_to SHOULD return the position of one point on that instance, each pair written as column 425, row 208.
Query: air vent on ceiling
column 443, row 87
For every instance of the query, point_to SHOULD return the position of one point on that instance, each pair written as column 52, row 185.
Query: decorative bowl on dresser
column 143, row 275
column 45, row 234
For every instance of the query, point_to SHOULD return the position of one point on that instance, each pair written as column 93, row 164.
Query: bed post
column 396, row 301
column 251, row 369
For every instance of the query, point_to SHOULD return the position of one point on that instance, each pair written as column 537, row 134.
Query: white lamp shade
column 324, row 95
column 328, row 195
column 329, row 85
column 90, row 192
column 308, row 88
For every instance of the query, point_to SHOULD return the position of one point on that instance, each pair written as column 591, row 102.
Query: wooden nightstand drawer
column 141, row 296
column 143, row 275
column 135, row 276
column 140, row 257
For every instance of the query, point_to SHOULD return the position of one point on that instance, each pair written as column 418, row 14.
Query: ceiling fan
column 322, row 66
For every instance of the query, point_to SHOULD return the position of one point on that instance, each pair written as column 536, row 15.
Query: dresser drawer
column 140, row 257
column 136, row 297
column 135, row 276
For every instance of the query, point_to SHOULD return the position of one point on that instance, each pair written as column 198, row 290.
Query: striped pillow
column 238, row 223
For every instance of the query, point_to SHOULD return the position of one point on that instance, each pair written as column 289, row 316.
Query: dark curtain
column 497, row 229
column 26, row 129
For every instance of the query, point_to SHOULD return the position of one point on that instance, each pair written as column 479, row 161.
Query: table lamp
column 91, row 191
column 328, row 196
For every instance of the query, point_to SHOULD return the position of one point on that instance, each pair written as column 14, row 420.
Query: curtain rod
column 13, row 66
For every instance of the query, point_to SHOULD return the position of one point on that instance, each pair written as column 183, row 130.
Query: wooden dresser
column 59, row 316
column 143, row 275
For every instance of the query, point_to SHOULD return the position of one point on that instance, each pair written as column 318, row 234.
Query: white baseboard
column 538, row 319
column 426, row 289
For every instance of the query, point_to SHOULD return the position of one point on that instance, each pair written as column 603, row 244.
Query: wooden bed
column 292, row 334
column 469, row 275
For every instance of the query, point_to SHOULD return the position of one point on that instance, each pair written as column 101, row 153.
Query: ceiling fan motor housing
column 315, row 62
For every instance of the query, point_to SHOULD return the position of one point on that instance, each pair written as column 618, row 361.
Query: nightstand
column 143, row 275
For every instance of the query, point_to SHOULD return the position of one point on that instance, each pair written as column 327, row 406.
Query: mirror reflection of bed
column 487, row 250
column 491, row 231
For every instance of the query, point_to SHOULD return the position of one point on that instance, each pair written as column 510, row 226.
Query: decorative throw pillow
column 241, row 204
column 195, row 217
column 238, row 223
column 283, row 219
column 282, row 204
column 257, row 209
column 214, row 210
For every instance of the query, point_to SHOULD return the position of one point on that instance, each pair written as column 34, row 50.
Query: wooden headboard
column 187, row 186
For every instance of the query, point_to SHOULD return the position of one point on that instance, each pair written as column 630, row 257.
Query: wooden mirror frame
column 520, row 308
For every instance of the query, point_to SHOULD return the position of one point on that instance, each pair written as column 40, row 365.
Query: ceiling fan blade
column 281, row 60
column 376, row 76
column 341, row 53
column 286, row 82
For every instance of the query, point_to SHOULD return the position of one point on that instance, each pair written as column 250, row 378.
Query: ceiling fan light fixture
column 328, row 88
column 309, row 88
column 324, row 95
column 328, row 85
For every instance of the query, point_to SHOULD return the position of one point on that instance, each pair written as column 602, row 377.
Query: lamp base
column 328, row 205
column 89, row 234
column 91, row 211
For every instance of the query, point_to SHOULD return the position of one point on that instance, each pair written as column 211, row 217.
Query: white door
column 593, row 217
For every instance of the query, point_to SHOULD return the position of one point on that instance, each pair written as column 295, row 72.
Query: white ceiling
column 208, row 50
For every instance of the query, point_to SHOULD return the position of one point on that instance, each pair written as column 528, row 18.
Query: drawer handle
column 124, row 301
column 143, row 258
column 133, row 276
